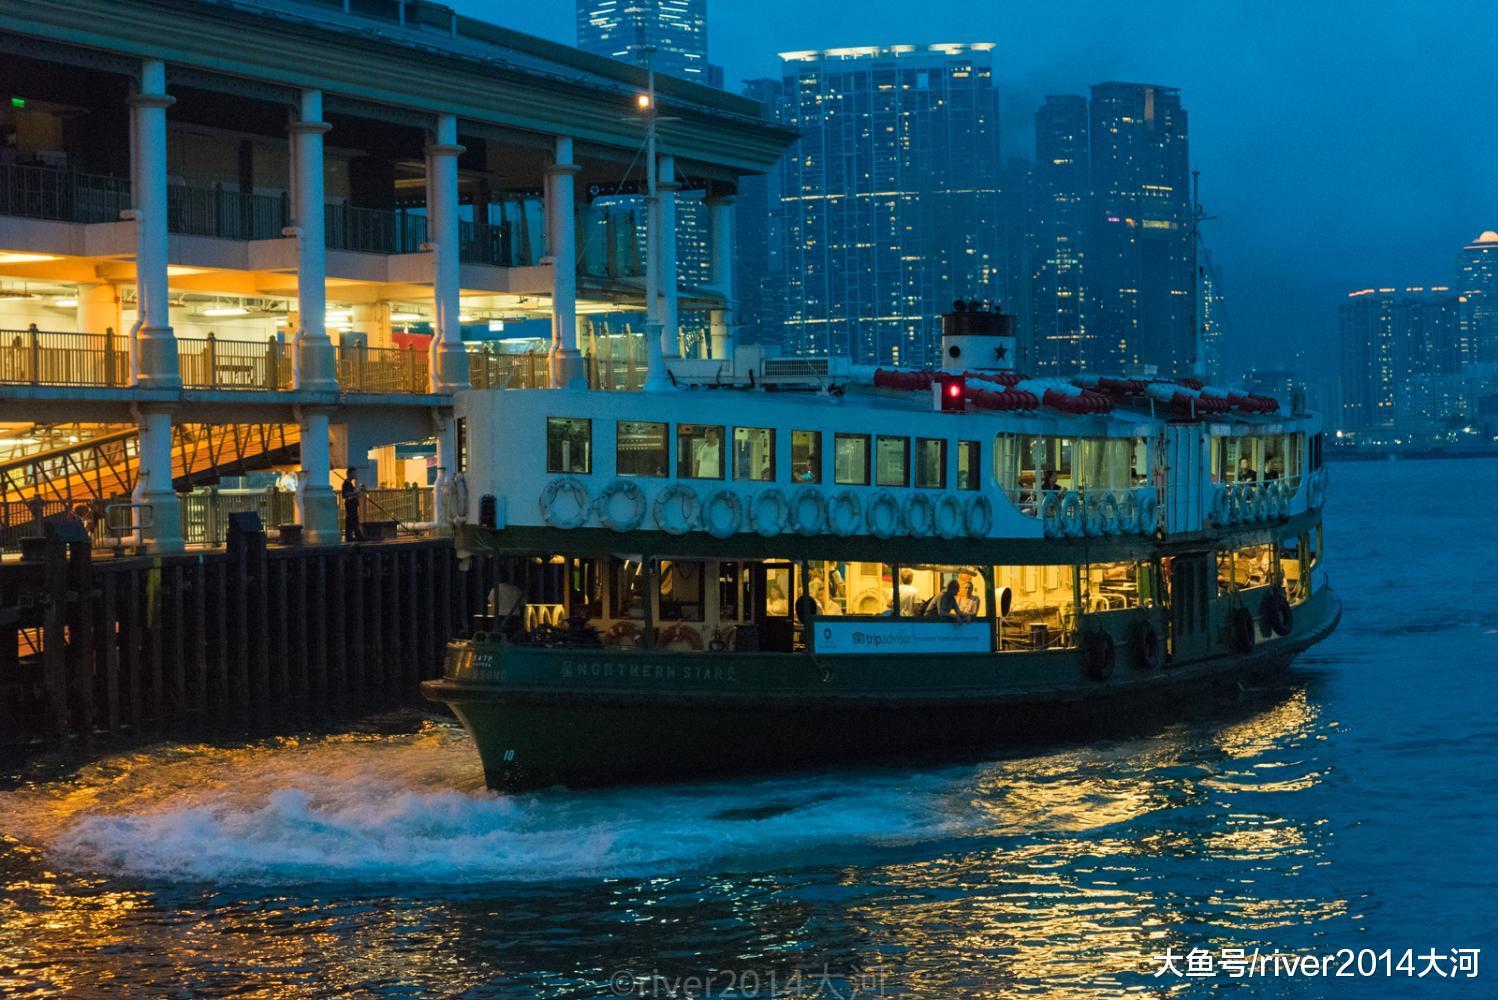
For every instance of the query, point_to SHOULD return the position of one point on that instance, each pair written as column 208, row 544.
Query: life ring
column 682, row 497
column 1149, row 651
column 1276, row 614
column 1049, row 513
column 624, row 633
column 771, row 522
column 680, row 632
column 1107, row 509
column 554, row 514
column 1261, row 503
column 457, row 498
column 803, row 498
column 1128, row 514
column 844, row 513
column 1071, row 516
column 948, row 517
column 631, row 494
column 1220, row 505
column 1244, row 631
column 1149, row 509
column 1098, row 654
column 920, row 515
column 978, row 519
column 869, row 602
column 1092, row 517
column 726, row 502
column 882, row 514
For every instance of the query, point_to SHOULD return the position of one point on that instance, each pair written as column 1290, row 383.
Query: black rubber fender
column 1098, row 655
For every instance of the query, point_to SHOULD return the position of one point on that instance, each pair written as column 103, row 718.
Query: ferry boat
column 779, row 561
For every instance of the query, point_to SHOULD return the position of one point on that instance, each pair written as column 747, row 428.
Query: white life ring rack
column 1092, row 515
column 882, row 515
column 1107, row 510
column 844, row 513
column 920, row 516
column 1149, row 510
column 770, row 524
column 1071, row 517
column 1048, row 510
column 1220, row 505
column 1128, row 513
column 948, row 517
column 631, row 494
column 978, row 518
column 804, row 498
column 556, row 517
column 684, row 499
column 722, row 501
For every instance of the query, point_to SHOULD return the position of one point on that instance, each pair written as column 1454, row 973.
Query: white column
column 158, row 512
column 446, row 434
column 155, row 344
column 314, row 359
column 561, row 237
column 670, row 328
column 721, row 221
column 316, row 506
column 99, row 308
column 449, row 362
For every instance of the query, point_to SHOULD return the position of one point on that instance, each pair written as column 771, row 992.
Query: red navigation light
column 952, row 390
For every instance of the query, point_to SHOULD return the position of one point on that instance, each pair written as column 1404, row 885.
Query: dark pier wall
column 247, row 636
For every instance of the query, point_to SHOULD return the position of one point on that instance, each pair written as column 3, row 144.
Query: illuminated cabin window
column 643, row 448
column 699, row 451
column 681, row 591
column 892, row 461
column 754, row 454
column 569, row 445
column 850, row 459
column 931, row 463
column 806, row 456
column 969, row 461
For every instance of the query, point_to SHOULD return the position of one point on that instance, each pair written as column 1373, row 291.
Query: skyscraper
column 1060, row 334
column 1477, row 285
column 1141, row 262
column 889, row 203
column 1390, row 338
column 670, row 34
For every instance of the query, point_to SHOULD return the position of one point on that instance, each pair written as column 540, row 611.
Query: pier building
column 243, row 236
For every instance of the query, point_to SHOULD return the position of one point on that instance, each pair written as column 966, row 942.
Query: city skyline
column 1295, row 230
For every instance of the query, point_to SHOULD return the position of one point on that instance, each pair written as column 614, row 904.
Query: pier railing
column 37, row 357
column 383, row 369
column 532, row 370
column 214, row 363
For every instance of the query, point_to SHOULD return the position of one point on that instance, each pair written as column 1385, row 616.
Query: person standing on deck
column 352, row 530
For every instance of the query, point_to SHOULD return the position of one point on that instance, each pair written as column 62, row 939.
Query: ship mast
column 655, row 362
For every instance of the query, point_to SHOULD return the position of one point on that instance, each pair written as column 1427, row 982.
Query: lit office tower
column 1477, row 285
column 1141, row 262
column 671, row 33
column 1214, row 332
column 1390, row 337
column 1060, row 336
column 889, row 203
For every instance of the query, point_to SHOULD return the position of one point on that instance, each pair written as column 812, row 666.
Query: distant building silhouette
column 1141, row 260
column 888, row 207
column 671, row 34
column 1062, row 187
column 1390, row 337
column 1477, row 284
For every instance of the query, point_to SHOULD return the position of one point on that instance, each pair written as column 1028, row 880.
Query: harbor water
column 1350, row 807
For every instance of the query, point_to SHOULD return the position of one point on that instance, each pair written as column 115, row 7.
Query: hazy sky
column 1342, row 144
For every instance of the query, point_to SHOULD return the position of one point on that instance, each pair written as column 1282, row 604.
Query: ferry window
column 931, row 463
column 1117, row 586
column 1139, row 462
column 806, row 456
column 1042, row 607
column 643, row 448
column 1273, row 455
column 627, row 588
column 850, row 459
column 754, row 454
column 699, row 451
column 892, row 461
column 969, row 454
column 569, row 445
column 681, row 591
column 733, row 584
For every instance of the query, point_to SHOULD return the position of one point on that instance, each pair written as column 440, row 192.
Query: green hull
column 579, row 716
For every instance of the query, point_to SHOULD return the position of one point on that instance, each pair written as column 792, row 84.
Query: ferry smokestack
column 977, row 337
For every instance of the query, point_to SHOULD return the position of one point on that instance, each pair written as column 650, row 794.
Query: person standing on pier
column 352, row 530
